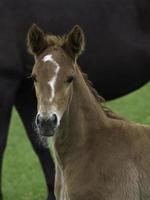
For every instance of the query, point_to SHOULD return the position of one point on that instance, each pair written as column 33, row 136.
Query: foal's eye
column 34, row 77
column 69, row 79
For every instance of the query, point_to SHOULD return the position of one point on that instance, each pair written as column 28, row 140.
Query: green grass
column 23, row 178
column 135, row 106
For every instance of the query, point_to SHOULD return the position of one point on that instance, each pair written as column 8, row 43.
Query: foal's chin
column 47, row 132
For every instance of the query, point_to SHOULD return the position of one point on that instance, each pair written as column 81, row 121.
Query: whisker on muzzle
column 40, row 139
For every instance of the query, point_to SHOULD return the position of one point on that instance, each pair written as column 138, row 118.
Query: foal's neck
column 82, row 122
column 84, row 105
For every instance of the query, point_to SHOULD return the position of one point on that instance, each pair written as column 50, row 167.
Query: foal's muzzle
column 47, row 126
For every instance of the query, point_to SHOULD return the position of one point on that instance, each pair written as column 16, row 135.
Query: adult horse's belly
column 117, row 54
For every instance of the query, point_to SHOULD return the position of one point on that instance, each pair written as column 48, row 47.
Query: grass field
column 23, row 178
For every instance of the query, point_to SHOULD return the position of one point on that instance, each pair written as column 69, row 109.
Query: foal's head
column 53, row 74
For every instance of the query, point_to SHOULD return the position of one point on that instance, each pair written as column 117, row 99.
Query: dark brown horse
column 99, row 155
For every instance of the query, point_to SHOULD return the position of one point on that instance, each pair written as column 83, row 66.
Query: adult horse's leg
column 7, row 94
column 26, row 107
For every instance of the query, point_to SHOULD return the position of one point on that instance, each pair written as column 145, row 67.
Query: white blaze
column 52, row 82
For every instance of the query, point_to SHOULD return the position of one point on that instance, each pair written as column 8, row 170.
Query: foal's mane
column 60, row 42
column 109, row 113
column 54, row 40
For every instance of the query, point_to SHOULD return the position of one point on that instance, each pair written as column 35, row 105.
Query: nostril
column 38, row 119
column 54, row 119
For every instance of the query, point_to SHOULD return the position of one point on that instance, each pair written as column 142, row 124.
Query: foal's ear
column 36, row 40
column 75, row 41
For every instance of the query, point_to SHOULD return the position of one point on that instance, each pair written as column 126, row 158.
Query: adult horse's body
column 118, row 51
column 99, row 155
column 117, row 38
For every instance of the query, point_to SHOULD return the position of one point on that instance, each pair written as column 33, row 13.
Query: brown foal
column 98, row 155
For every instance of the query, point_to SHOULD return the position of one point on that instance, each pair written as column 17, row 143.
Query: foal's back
column 118, row 166
column 141, row 159
column 126, row 161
